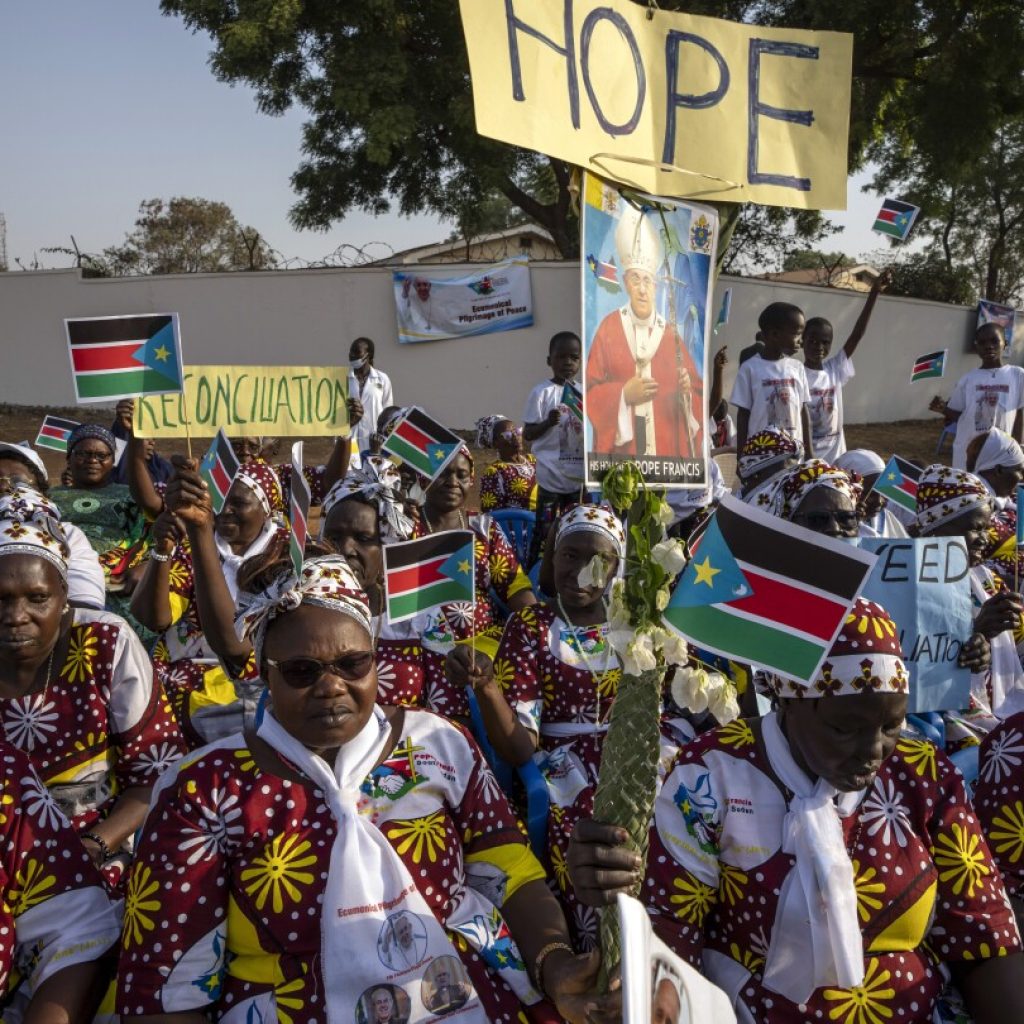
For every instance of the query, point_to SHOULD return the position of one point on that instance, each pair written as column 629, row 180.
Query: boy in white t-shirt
column 826, row 376
column 770, row 390
column 555, row 435
column 991, row 396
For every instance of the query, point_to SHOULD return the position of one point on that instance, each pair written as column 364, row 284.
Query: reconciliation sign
column 248, row 401
column 675, row 104
column 924, row 585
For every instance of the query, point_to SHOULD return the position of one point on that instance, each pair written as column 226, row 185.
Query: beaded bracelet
column 100, row 842
column 157, row 557
column 538, row 963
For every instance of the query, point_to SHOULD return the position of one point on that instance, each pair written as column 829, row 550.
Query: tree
column 815, row 259
column 387, row 89
column 926, row 275
column 765, row 234
column 184, row 236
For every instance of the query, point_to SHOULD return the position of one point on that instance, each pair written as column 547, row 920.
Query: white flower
column 158, row 759
column 670, row 555
column 674, row 649
column 488, row 789
column 722, row 702
column 386, row 676
column 690, row 689
column 639, row 656
column 594, row 573
column 40, row 804
column 664, row 513
column 217, row 827
column 885, row 812
column 28, row 720
column 662, row 598
column 585, row 919
column 1002, row 758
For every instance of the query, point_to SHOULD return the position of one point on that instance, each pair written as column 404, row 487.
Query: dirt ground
column 913, row 439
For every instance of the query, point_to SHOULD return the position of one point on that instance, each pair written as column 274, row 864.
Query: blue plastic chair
column 518, row 525
column 538, row 800
column 948, row 431
column 967, row 762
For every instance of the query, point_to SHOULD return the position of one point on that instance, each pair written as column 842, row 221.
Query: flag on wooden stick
column 298, row 510
column 429, row 572
column 124, row 356
column 218, row 469
column 763, row 590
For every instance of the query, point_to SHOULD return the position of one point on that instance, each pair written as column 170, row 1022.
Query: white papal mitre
column 637, row 241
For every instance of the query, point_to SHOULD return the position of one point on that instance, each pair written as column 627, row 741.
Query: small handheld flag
column 765, row 591
column 931, row 364
column 54, row 433
column 218, row 469
column 422, row 443
column 896, row 219
column 573, row 400
column 124, row 356
column 898, row 483
column 298, row 510
column 725, row 311
column 429, row 572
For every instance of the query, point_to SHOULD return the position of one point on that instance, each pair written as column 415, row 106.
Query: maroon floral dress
column 509, row 485
column 999, row 798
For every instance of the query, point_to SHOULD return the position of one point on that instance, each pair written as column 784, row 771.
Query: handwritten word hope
column 676, row 104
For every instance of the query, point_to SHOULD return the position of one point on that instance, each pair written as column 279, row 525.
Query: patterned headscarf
column 797, row 484
column 599, row 519
column 766, row 448
column 20, row 501
column 1001, row 553
column 259, row 476
column 84, row 431
column 379, row 482
column 944, row 493
column 326, row 582
column 865, row 657
column 41, row 538
column 485, row 430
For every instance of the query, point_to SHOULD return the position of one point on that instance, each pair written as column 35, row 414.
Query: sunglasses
column 819, row 521
column 301, row 673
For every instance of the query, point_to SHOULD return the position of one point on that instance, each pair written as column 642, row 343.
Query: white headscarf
column 999, row 449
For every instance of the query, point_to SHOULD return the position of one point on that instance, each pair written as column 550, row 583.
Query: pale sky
column 106, row 103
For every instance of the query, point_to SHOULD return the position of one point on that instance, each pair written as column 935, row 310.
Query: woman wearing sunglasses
column 511, row 480
column 341, row 847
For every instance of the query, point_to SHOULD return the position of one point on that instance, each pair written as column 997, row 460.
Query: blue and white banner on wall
column 430, row 307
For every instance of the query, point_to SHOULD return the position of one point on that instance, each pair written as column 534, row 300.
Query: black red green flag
column 898, row 483
column 425, row 573
column 765, row 591
column 422, row 443
column 218, row 469
column 54, row 433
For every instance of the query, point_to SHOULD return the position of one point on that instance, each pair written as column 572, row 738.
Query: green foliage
column 926, row 275
column 813, row 259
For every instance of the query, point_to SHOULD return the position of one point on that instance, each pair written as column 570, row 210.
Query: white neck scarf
column 1003, row 675
column 231, row 563
column 816, row 938
column 368, row 887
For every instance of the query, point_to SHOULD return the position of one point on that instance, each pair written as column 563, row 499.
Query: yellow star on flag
column 705, row 572
column 464, row 565
column 162, row 353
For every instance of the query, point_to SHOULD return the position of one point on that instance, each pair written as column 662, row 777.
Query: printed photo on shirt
column 383, row 1004
column 647, row 284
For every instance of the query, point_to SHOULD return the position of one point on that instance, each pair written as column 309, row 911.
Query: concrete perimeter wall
column 308, row 317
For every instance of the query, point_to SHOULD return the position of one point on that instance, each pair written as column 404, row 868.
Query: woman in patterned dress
column 345, row 852
column 761, row 462
column 553, row 685
column 78, row 696
column 510, row 481
column 497, row 568
column 56, row 920
column 815, row 865
column 191, row 544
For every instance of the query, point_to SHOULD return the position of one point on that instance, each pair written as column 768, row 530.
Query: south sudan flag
column 54, row 433
column 123, row 356
column 572, row 400
column 932, row 364
column 898, row 483
column 896, row 218
column 765, row 591
column 218, row 469
column 422, row 443
column 425, row 573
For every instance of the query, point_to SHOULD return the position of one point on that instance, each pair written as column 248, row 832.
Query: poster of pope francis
column 647, row 273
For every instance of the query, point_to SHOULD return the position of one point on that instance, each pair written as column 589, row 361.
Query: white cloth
column 862, row 461
column 231, row 563
column 357, row 903
column 774, row 392
column 984, row 399
column 375, row 396
column 826, row 408
column 884, row 524
column 816, row 938
column 559, row 450
column 1004, row 675
column 999, row 449
column 86, row 584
